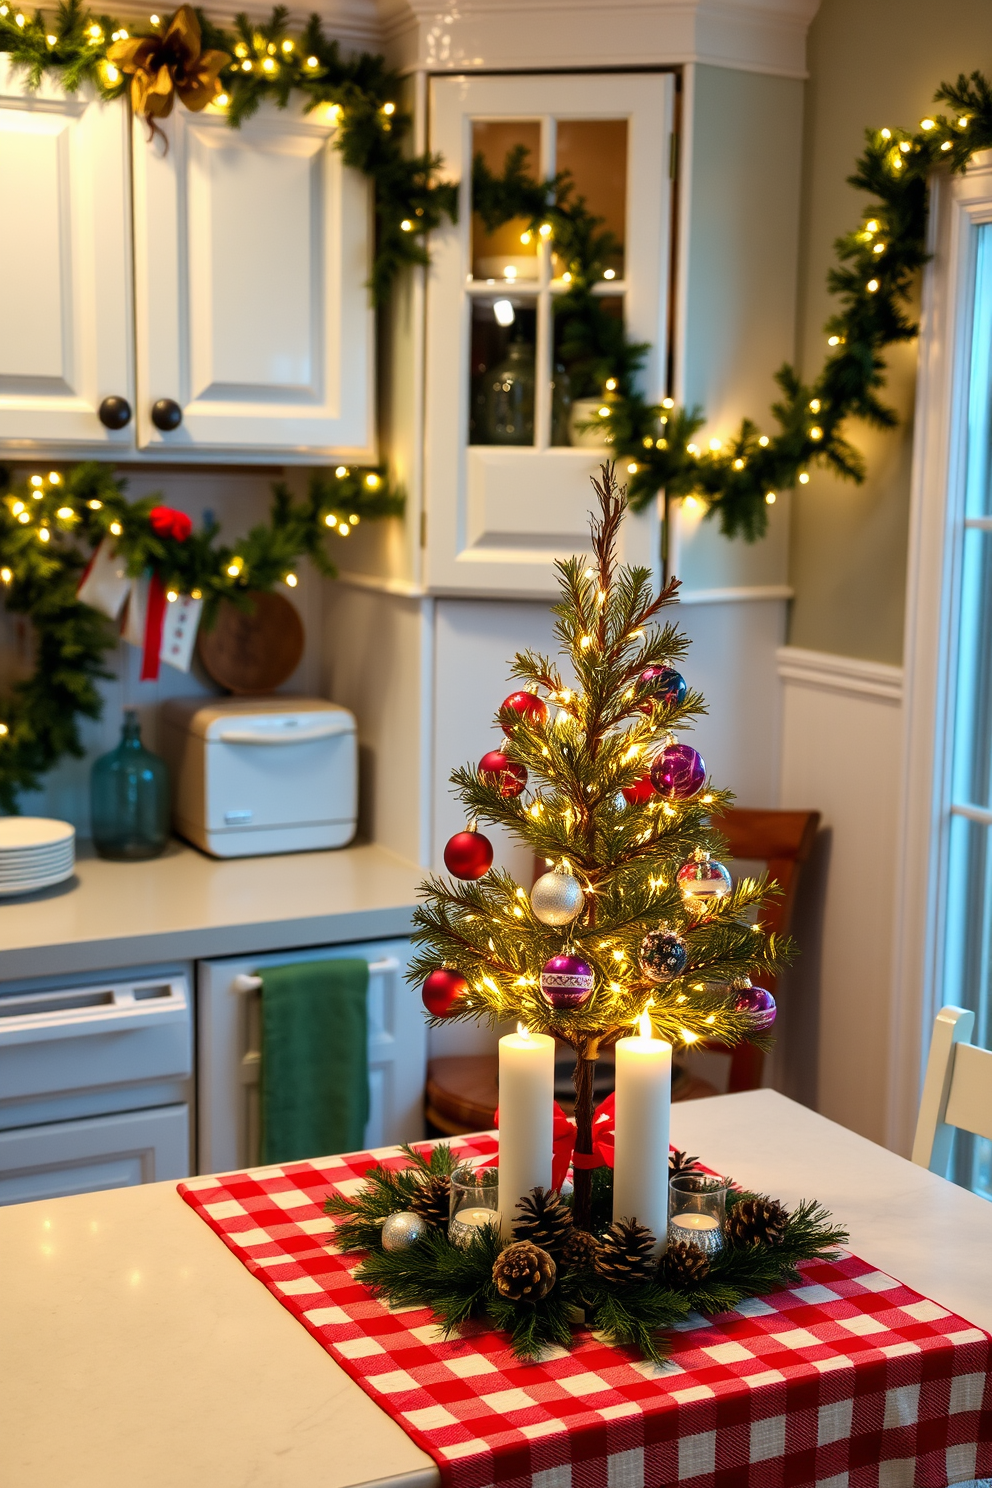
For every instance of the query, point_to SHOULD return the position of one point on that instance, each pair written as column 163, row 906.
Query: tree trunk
column 582, row 1079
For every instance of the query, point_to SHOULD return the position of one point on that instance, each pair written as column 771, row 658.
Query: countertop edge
column 205, row 941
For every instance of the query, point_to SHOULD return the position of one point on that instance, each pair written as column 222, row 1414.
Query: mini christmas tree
column 634, row 916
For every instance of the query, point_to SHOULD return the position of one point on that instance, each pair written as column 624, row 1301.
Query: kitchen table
column 137, row 1349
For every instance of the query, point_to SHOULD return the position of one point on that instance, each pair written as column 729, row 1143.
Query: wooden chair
column 957, row 1091
column 783, row 840
column 461, row 1091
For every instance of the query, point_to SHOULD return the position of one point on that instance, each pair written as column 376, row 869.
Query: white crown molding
column 485, row 35
column 825, row 672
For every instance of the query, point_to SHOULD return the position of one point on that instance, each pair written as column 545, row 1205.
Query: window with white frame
column 944, row 872
column 967, row 878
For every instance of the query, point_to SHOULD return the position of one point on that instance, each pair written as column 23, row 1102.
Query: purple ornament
column 567, row 980
column 667, row 686
column 678, row 772
column 759, row 1004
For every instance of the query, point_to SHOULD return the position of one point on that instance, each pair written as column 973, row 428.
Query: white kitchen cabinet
column 65, row 328
column 251, row 316
column 506, row 470
column 252, row 311
column 229, row 1051
column 70, row 1157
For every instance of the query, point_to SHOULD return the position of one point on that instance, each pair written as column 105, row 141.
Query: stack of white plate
column 34, row 853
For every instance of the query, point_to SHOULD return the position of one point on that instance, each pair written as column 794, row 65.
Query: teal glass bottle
column 129, row 798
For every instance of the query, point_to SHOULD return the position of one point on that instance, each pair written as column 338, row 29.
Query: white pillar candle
column 526, row 1118
column 642, row 1115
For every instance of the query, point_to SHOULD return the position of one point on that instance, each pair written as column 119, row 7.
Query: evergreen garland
column 457, row 1283
column 49, row 528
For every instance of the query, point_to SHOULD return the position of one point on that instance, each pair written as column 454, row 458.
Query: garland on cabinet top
column 50, row 529
column 737, row 478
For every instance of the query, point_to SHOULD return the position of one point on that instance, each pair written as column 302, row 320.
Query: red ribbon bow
column 165, row 521
column 563, row 1138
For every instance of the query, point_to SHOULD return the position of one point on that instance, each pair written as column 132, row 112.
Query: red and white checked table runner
column 849, row 1380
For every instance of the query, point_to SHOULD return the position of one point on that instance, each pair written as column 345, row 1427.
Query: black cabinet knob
column 166, row 414
column 114, row 413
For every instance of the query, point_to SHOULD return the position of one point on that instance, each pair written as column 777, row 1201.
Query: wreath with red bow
column 55, row 528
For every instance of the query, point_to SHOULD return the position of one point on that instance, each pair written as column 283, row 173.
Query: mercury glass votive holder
column 474, row 1197
column 697, row 1210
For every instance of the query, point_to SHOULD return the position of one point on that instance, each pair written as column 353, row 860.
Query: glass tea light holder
column 474, row 1200
column 697, row 1210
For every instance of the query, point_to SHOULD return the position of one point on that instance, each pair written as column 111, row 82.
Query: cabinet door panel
column 70, row 1157
column 66, row 339
column 505, row 506
column 251, row 255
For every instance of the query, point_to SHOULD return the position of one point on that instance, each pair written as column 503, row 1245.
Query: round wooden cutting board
column 256, row 651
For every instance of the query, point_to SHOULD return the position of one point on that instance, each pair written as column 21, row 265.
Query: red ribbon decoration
column 154, row 618
column 563, row 1139
column 165, row 521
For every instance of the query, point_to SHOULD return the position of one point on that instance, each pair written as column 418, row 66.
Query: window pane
column 973, row 719
column 595, row 152
column 978, row 496
column 503, row 375
column 501, row 254
column 583, row 358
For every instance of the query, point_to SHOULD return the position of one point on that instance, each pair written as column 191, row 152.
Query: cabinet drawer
column 71, row 1157
column 84, row 1038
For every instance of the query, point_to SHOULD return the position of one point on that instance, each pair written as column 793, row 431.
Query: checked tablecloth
column 849, row 1380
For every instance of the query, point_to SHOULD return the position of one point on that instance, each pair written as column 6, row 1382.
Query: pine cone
column 580, row 1251
column 524, row 1272
column 683, row 1265
column 625, row 1253
column 432, row 1200
column 757, row 1222
column 680, row 1162
column 544, row 1220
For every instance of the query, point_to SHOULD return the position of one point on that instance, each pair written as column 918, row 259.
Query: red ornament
column 468, row 855
column 525, row 705
column 442, row 990
column 641, row 790
column 511, row 777
column 165, row 521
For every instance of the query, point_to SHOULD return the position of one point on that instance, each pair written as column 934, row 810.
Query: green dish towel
column 315, row 1077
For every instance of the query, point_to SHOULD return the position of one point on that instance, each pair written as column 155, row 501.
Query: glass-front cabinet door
column 513, row 396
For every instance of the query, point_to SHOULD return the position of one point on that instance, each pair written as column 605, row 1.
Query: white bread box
column 269, row 774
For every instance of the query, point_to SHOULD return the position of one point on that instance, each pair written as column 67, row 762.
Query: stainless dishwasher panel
column 56, row 1042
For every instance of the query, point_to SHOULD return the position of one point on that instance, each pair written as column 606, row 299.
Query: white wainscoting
column 841, row 755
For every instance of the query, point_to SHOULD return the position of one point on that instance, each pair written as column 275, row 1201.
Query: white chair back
column 957, row 1091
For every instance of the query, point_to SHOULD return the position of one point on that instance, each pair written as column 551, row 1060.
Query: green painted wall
column 870, row 64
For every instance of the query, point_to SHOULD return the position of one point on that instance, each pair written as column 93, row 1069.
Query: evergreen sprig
column 457, row 1283
column 49, row 527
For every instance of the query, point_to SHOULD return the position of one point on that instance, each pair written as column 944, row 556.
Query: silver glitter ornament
column 403, row 1229
column 557, row 897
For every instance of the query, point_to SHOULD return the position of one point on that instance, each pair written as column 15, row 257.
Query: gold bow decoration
column 162, row 66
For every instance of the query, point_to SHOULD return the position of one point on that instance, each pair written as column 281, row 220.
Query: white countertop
column 137, row 1350
column 185, row 905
